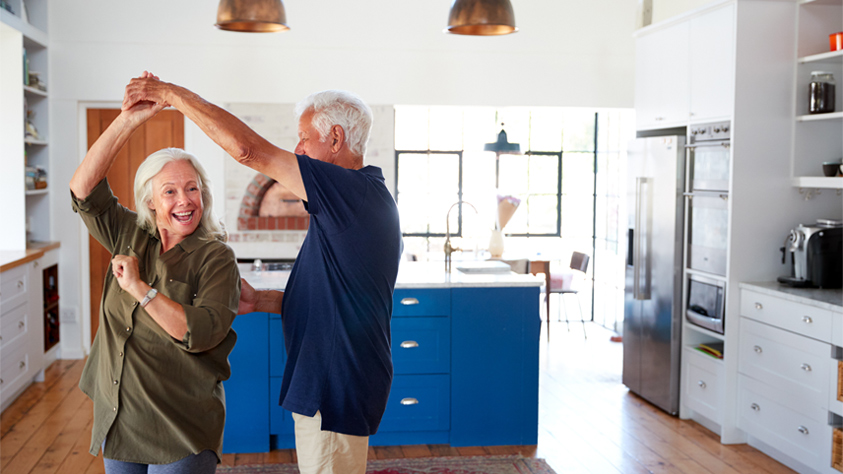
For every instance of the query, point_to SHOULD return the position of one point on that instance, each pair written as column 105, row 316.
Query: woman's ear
column 150, row 205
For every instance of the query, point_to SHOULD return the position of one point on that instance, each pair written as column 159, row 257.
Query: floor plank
column 589, row 423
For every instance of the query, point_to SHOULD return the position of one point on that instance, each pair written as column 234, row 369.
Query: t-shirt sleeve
column 102, row 214
column 334, row 194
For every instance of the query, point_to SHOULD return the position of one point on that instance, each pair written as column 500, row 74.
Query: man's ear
column 337, row 138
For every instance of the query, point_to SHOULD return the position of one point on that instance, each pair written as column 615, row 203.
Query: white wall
column 387, row 51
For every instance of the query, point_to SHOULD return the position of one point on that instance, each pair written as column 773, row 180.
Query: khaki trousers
column 327, row 452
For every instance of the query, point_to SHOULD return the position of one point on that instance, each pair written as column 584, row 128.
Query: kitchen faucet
column 449, row 249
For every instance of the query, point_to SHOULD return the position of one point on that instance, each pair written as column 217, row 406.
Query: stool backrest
column 579, row 261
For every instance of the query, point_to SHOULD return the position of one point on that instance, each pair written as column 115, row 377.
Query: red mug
column 835, row 41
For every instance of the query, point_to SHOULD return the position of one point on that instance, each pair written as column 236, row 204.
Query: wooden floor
column 588, row 423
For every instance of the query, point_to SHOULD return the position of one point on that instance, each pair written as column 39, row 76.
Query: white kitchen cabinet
column 787, row 377
column 712, row 65
column 21, row 328
column 661, row 77
column 684, row 69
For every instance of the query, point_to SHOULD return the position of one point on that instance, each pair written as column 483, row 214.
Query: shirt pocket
column 179, row 292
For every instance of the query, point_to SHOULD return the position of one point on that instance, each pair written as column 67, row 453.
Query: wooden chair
column 563, row 284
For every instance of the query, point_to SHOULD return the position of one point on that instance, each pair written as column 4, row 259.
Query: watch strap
column 148, row 297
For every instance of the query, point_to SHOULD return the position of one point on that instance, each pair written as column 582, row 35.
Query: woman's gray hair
column 336, row 107
column 150, row 168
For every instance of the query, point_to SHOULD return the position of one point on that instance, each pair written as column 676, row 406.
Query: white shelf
column 707, row 332
column 815, row 117
column 30, row 32
column 33, row 90
column 37, row 192
column 30, row 141
column 818, row 182
column 829, row 57
column 820, row 2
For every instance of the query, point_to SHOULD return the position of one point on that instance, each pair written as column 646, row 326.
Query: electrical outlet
column 67, row 315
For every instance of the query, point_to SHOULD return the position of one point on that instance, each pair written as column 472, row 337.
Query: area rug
column 443, row 465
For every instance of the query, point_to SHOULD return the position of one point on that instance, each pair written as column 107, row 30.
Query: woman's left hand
column 125, row 269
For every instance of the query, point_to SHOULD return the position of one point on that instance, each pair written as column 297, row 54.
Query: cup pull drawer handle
column 755, row 407
column 806, row 367
column 802, row 430
column 20, row 284
column 22, row 364
column 409, row 401
column 807, row 320
column 758, row 349
column 409, row 301
column 409, row 344
column 701, row 383
column 759, row 306
column 21, row 324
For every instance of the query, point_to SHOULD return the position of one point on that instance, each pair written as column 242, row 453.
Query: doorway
column 164, row 130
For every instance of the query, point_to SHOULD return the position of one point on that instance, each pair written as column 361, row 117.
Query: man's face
column 310, row 141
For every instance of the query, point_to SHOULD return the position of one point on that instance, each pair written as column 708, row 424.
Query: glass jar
column 821, row 97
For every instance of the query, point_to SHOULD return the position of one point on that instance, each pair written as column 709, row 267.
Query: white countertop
column 831, row 300
column 416, row 275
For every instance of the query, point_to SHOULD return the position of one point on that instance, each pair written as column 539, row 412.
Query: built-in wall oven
column 707, row 176
column 707, row 167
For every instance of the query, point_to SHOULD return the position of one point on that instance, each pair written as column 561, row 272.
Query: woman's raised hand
column 139, row 111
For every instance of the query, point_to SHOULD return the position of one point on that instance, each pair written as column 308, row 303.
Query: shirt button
column 115, row 382
column 121, row 354
column 114, row 409
column 128, row 329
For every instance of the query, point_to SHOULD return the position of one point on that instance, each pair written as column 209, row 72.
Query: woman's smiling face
column 177, row 201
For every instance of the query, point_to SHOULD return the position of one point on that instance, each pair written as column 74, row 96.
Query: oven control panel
column 712, row 131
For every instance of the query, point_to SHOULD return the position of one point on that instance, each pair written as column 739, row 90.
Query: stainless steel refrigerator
column 653, row 289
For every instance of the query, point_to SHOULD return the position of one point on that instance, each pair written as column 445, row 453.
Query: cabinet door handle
column 759, row 306
column 409, row 401
column 22, row 364
column 701, row 383
column 21, row 324
column 807, row 320
column 409, row 344
column 35, row 264
column 758, row 349
column 802, row 430
column 20, row 284
column 409, row 301
column 755, row 407
column 806, row 367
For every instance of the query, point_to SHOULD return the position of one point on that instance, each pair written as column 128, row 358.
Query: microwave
column 706, row 303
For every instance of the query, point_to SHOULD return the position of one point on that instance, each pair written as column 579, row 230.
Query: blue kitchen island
column 465, row 350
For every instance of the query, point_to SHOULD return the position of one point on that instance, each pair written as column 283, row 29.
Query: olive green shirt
column 159, row 399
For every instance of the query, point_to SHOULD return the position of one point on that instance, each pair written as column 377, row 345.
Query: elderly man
column 338, row 304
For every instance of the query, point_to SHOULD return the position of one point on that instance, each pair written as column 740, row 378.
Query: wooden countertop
column 10, row 259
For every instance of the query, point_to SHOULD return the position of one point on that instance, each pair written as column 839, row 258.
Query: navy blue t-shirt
column 338, row 301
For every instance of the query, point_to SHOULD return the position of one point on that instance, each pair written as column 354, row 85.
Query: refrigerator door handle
column 636, row 253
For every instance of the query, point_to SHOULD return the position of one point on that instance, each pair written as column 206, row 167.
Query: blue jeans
column 202, row 463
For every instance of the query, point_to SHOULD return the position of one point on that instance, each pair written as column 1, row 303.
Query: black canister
column 821, row 98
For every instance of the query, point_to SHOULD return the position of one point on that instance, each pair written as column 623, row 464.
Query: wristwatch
column 149, row 295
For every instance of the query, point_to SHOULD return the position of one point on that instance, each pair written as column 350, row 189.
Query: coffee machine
column 816, row 255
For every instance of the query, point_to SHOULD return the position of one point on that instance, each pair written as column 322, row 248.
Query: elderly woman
column 160, row 355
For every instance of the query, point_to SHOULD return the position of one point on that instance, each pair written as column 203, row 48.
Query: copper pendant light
column 252, row 16
column 481, row 18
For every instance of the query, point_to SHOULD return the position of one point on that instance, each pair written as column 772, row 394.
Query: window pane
column 427, row 185
column 479, row 127
column 546, row 129
column 578, row 126
column 446, row 128
column 514, row 176
column 544, row 174
column 577, row 216
column 578, row 173
column 542, row 212
column 411, row 127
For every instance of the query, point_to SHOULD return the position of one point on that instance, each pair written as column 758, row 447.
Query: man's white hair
column 336, row 107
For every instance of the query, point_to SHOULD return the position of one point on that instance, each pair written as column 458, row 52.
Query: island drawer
column 421, row 345
column 410, row 302
column 418, row 403
column 803, row 319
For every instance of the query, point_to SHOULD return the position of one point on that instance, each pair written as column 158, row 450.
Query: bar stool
column 562, row 284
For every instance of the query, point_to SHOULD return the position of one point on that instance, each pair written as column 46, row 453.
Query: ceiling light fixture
column 481, row 18
column 252, row 16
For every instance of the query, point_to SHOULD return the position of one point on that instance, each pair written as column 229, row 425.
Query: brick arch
column 248, row 218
